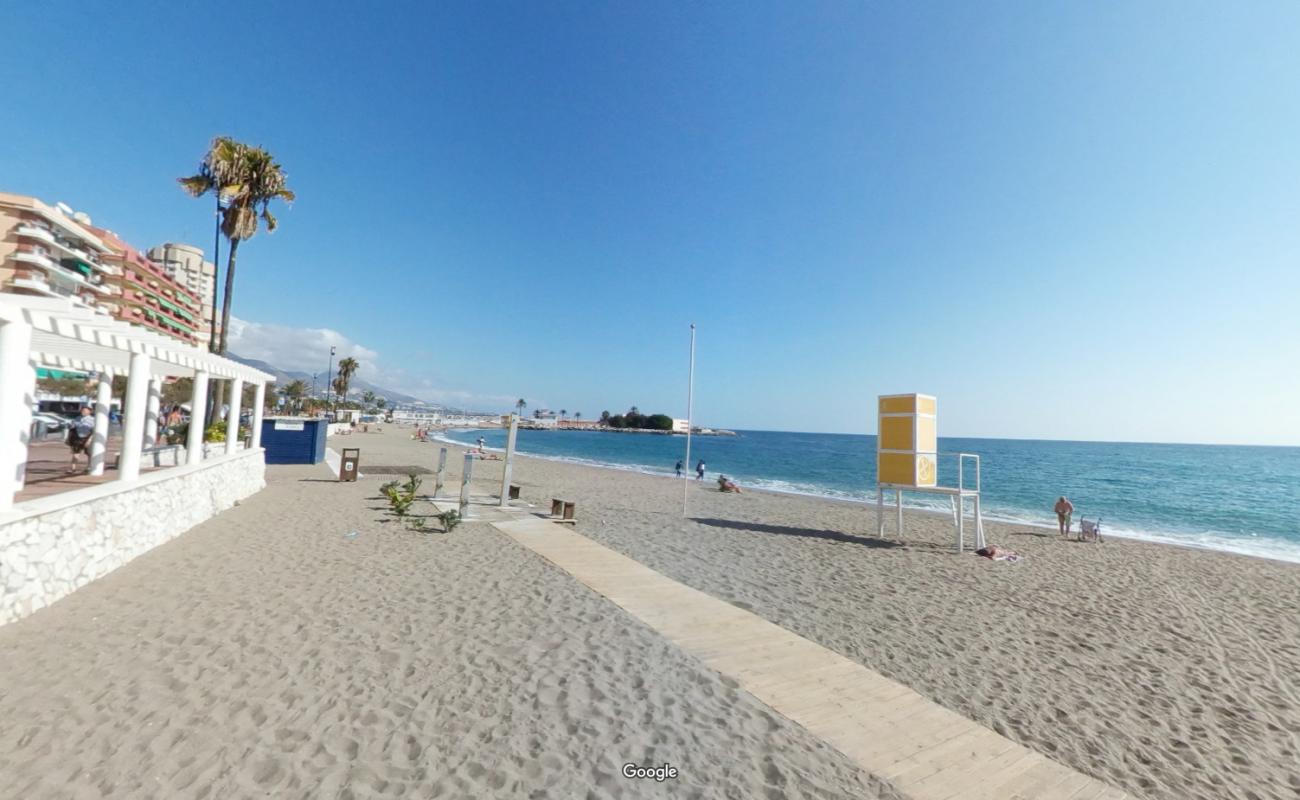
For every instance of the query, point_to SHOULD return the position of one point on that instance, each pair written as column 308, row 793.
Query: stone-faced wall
column 90, row 532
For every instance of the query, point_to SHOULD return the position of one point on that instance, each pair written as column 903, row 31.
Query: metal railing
column 961, row 468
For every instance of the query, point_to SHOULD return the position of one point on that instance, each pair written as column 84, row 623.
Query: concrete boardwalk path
column 925, row 750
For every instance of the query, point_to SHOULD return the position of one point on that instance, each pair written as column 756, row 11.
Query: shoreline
column 1127, row 661
column 1289, row 552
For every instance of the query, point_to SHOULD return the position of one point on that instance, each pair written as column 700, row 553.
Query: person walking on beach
column 679, row 468
column 481, row 442
column 1063, row 508
column 79, row 437
column 699, row 470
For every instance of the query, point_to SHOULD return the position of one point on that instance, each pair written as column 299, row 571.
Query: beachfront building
column 64, row 531
column 681, row 426
column 49, row 251
column 142, row 293
column 184, row 264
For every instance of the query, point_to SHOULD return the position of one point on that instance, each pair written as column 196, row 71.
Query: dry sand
column 1173, row 673
column 263, row 654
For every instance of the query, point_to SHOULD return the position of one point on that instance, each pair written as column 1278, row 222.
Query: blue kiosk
column 294, row 440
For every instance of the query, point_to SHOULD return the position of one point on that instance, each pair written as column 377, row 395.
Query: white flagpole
column 690, row 408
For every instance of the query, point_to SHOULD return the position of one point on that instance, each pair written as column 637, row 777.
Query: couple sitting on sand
column 725, row 484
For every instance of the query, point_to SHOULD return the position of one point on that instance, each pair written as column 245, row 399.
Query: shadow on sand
column 785, row 530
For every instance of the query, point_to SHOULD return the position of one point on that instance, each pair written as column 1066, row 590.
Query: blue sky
column 1066, row 220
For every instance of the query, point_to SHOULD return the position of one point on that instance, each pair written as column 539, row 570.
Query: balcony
column 33, row 231
column 39, row 258
column 32, row 283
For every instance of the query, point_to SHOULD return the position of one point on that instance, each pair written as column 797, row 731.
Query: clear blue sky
column 1067, row 220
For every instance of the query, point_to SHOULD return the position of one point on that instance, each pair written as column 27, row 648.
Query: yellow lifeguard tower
column 907, row 458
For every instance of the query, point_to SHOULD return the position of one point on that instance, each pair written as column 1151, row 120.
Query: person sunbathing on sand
column 727, row 485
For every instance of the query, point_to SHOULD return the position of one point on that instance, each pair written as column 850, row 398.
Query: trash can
column 294, row 440
column 348, row 465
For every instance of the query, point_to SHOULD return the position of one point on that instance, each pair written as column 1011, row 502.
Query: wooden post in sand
column 442, row 468
column 464, row 483
column 510, row 458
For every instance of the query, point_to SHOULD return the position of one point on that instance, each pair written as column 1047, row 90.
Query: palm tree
column 368, row 398
column 563, row 413
column 381, row 402
column 294, row 393
column 340, row 389
column 577, row 415
column 633, row 410
column 520, row 405
column 347, row 368
column 248, row 179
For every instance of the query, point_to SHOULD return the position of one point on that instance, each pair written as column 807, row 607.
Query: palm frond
column 196, row 185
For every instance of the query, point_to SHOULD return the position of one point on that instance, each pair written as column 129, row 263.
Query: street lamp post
column 329, row 384
column 690, row 411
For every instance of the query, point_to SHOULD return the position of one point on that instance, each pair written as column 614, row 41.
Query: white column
column 151, row 412
column 17, row 394
column 136, row 402
column 99, row 441
column 259, row 400
column 198, row 419
column 232, row 418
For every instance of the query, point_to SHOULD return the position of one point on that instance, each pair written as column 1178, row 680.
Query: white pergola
column 40, row 331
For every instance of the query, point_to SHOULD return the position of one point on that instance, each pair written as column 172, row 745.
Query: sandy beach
column 266, row 654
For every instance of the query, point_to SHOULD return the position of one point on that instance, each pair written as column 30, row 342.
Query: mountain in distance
column 357, row 387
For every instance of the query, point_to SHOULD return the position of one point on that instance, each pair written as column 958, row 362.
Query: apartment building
column 51, row 251
column 184, row 263
column 142, row 293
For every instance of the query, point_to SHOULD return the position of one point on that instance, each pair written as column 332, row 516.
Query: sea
column 1238, row 499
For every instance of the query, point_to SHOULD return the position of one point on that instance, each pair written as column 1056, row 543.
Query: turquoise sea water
column 1240, row 499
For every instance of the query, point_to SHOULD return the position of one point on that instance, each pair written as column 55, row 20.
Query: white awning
column 71, row 337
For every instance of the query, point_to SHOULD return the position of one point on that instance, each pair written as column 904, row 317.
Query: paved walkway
column 925, row 750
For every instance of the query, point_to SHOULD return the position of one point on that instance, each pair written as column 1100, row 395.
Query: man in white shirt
column 79, row 436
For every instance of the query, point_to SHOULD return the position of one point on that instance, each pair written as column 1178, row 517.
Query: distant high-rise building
column 144, row 294
column 184, row 264
column 50, row 251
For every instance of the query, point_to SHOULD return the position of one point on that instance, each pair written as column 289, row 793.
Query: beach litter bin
column 294, row 440
column 349, row 463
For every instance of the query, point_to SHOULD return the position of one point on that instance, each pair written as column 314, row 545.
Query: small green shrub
column 402, row 496
column 449, row 519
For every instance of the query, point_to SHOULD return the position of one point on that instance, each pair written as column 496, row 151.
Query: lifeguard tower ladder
column 907, row 459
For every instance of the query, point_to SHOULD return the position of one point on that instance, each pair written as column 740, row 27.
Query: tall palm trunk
column 225, row 300
column 225, row 314
column 214, row 388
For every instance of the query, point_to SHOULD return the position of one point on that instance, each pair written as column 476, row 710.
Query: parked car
column 52, row 422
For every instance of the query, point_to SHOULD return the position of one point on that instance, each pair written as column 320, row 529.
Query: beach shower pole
column 465, row 473
column 442, row 469
column 510, row 458
column 690, row 408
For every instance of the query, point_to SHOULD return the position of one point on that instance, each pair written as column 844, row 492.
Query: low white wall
column 54, row 545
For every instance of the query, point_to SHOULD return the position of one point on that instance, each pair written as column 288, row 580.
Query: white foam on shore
column 1255, row 546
